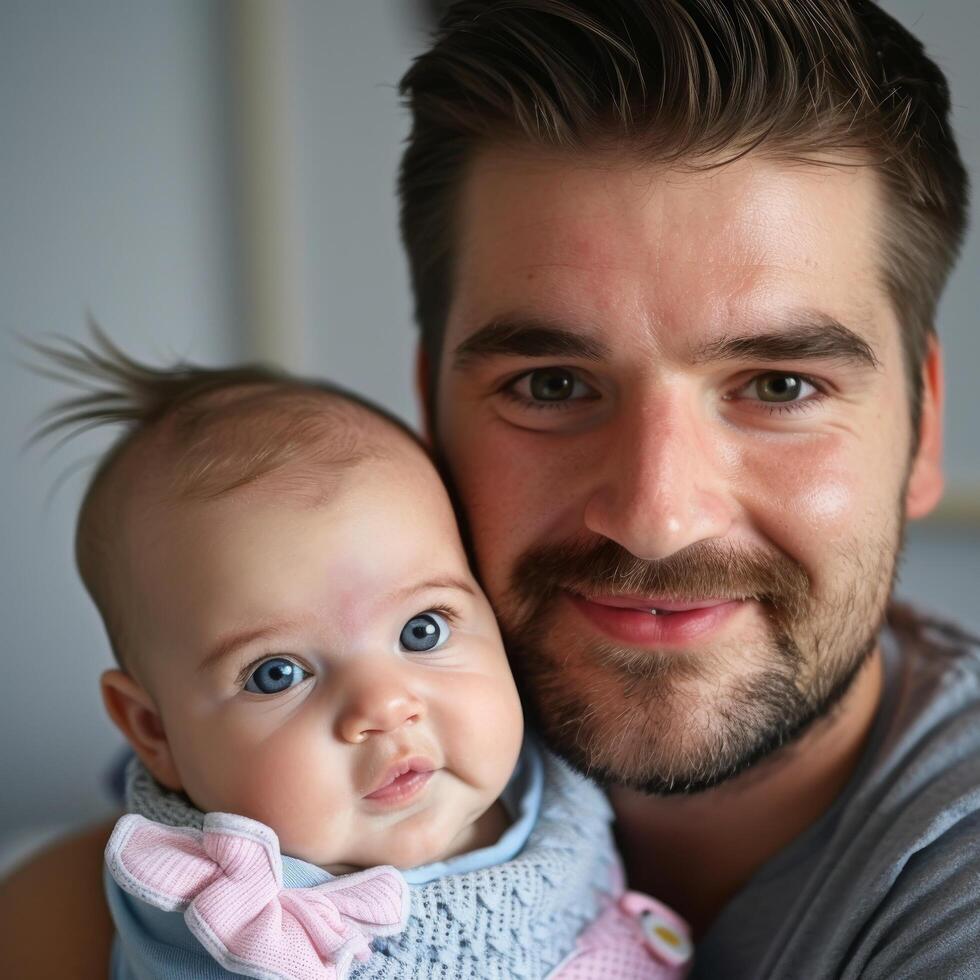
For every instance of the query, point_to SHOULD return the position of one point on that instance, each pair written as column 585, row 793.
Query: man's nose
column 376, row 701
column 664, row 480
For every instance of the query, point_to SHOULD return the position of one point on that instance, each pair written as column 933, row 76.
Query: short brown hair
column 209, row 432
column 679, row 81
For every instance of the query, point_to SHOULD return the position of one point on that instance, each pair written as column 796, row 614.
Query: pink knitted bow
column 227, row 880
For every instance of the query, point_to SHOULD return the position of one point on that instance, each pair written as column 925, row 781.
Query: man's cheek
column 821, row 506
column 526, row 488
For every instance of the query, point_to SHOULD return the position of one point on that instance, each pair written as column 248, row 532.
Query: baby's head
column 300, row 638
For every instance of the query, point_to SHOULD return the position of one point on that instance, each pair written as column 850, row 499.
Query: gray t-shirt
column 887, row 883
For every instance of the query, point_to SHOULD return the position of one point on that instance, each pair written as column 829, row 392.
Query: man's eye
column 774, row 388
column 274, row 676
column 550, row 385
column 423, row 632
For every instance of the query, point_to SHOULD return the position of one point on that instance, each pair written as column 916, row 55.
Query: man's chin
column 664, row 724
column 722, row 693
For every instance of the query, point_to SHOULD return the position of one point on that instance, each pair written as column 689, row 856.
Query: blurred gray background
column 215, row 179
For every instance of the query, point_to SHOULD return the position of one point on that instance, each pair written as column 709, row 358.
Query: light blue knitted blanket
column 517, row 919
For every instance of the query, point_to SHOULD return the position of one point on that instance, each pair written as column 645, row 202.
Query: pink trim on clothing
column 227, row 880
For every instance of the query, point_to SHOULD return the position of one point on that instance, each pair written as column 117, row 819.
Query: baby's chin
column 339, row 869
column 415, row 842
column 400, row 848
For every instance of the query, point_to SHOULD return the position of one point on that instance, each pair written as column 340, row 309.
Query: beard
column 685, row 721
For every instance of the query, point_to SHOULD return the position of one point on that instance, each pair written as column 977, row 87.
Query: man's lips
column 403, row 781
column 654, row 603
column 652, row 621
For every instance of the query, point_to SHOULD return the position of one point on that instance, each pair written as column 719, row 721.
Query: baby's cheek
column 486, row 726
column 278, row 781
column 271, row 785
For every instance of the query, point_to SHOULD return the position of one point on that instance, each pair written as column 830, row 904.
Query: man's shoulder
column 888, row 884
column 932, row 698
column 927, row 640
column 896, row 889
column 926, row 758
column 925, row 775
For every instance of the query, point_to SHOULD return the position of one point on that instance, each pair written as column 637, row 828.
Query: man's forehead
column 580, row 236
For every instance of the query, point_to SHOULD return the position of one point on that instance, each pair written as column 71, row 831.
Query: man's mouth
column 655, row 605
column 654, row 621
column 402, row 782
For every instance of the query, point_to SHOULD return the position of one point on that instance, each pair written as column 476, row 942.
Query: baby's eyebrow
column 234, row 641
column 446, row 583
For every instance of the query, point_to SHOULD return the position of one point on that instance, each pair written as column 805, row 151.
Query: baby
column 329, row 776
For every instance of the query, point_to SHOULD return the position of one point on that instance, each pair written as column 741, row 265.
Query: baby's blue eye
column 274, row 676
column 426, row 631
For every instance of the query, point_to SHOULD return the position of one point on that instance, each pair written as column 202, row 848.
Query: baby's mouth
column 403, row 781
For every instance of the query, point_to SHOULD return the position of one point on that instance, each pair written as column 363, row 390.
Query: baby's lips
column 419, row 765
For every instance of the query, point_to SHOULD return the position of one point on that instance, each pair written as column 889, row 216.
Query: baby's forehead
column 197, row 435
column 264, row 437
column 258, row 448
column 388, row 469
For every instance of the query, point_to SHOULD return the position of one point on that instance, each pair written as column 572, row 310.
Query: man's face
column 674, row 409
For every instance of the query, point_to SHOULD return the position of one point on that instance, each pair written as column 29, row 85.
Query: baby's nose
column 377, row 705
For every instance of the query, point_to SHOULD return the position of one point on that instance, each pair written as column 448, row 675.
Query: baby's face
column 332, row 671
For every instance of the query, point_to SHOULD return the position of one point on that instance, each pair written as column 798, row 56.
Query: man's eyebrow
column 444, row 582
column 227, row 645
column 526, row 337
column 812, row 338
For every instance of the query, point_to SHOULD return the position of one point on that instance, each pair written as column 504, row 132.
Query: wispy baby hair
column 195, row 433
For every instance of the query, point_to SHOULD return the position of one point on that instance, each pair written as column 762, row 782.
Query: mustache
column 705, row 570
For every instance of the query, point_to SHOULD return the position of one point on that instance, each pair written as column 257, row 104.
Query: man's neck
column 695, row 852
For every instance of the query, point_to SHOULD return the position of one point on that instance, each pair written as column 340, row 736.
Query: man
column 676, row 265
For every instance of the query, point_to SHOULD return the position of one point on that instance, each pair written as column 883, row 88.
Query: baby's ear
column 136, row 716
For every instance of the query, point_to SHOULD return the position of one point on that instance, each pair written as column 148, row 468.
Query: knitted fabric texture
column 227, row 882
column 518, row 919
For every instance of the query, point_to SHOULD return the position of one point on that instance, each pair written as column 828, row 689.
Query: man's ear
column 925, row 485
column 136, row 716
column 423, row 391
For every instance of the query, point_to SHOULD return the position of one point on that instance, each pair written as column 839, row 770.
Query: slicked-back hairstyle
column 207, row 432
column 688, row 82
